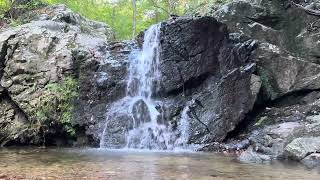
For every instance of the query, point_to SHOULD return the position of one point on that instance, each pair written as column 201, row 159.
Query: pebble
column 2, row 177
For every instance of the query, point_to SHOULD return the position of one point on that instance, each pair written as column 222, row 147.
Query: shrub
column 57, row 107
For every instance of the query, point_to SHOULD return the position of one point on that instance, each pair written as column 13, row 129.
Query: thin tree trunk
column 157, row 16
column 113, row 16
column 134, row 19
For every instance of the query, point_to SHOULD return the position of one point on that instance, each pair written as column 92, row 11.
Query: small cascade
column 138, row 114
column 184, row 129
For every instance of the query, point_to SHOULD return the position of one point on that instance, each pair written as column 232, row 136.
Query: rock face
column 287, row 46
column 41, row 53
column 276, row 22
column 288, row 67
column 214, row 81
column 200, row 62
column 254, row 67
column 202, row 69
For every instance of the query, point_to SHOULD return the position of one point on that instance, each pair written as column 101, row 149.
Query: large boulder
column 276, row 22
column 312, row 161
column 274, row 128
column 201, row 64
column 301, row 147
column 282, row 73
column 287, row 59
column 57, row 50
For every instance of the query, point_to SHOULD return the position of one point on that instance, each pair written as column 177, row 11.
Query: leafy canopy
column 119, row 13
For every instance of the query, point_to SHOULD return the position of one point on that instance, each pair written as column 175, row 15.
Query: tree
column 134, row 18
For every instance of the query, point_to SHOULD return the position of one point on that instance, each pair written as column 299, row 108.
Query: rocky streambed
column 248, row 73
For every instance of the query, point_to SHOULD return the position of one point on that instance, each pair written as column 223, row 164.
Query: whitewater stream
column 139, row 114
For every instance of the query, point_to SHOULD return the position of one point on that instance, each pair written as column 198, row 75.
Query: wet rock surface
column 215, row 76
column 41, row 53
column 287, row 105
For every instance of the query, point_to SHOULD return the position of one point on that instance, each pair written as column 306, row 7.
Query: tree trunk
column 134, row 19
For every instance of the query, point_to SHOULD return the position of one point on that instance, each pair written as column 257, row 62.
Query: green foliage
column 57, row 106
column 15, row 22
column 4, row 6
column 10, row 10
column 267, row 85
column 119, row 13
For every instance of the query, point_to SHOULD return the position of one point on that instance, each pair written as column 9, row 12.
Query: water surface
column 77, row 164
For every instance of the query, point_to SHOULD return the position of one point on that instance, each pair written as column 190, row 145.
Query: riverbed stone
column 251, row 156
column 299, row 148
column 312, row 160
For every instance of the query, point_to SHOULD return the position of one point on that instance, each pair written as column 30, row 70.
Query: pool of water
column 33, row 163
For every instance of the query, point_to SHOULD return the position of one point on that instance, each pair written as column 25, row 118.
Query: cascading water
column 148, row 129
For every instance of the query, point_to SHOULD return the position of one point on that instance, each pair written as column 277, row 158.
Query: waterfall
column 139, row 114
column 143, row 79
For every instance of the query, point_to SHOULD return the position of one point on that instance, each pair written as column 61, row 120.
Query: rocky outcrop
column 276, row 22
column 202, row 66
column 255, row 90
column 283, row 73
column 214, row 81
column 287, row 43
column 58, row 52
column 36, row 59
column 287, row 106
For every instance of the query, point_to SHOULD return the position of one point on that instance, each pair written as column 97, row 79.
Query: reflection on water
column 102, row 164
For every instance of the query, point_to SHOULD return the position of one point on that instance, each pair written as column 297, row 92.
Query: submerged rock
column 252, row 156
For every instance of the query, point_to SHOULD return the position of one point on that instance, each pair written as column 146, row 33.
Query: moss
column 85, row 29
column 261, row 121
column 267, row 86
column 18, row 13
column 71, row 45
column 57, row 107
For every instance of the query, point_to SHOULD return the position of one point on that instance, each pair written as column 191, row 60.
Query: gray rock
column 216, row 73
column 251, row 156
column 274, row 22
column 255, row 86
column 46, row 52
column 282, row 73
column 288, row 66
column 299, row 148
column 287, row 57
column 312, row 161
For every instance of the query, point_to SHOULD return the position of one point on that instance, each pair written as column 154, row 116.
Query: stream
column 35, row 163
